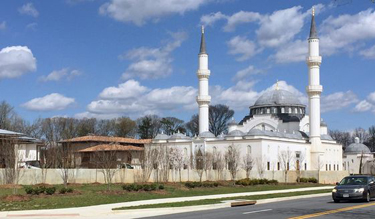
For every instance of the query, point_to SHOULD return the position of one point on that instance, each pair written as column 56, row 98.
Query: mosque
column 276, row 124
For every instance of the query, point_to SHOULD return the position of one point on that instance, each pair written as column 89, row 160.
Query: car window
column 354, row 181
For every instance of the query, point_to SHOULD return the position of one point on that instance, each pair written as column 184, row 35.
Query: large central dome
column 278, row 97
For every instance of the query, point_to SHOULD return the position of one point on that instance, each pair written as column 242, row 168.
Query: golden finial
column 313, row 11
column 202, row 29
column 277, row 84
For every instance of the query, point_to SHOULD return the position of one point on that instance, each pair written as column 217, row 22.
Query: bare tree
column 300, row 159
column 219, row 116
column 147, row 163
column 286, row 158
column 171, row 125
column 218, row 164
column 247, row 164
column 232, row 157
column 107, row 163
column 207, row 163
column 260, row 166
column 320, row 165
column 199, row 163
column 193, row 125
column 177, row 160
column 66, row 163
column 361, row 133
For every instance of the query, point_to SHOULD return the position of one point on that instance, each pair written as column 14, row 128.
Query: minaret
column 203, row 99
column 314, row 89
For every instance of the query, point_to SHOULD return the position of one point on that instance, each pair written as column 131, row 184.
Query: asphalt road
column 322, row 207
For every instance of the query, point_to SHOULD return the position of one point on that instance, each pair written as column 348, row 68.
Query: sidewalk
column 99, row 211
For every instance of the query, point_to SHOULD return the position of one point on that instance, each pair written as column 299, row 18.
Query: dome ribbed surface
column 277, row 98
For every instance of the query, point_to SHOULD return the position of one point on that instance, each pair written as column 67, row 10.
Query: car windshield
column 354, row 181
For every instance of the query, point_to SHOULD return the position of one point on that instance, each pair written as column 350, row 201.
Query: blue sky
column 108, row 58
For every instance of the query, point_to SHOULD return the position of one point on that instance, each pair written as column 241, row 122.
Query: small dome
column 236, row 133
column 326, row 137
column 277, row 97
column 357, row 147
column 178, row 135
column 206, row 134
column 255, row 132
column 269, row 133
column 162, row 136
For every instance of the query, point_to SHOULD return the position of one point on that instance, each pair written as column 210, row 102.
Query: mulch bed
column 16, row 198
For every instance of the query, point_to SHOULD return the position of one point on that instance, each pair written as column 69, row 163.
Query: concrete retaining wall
column 54, row 176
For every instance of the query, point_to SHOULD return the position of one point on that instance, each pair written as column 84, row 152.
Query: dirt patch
column 160, row 192
column 10, row 186
column 16, row 198
column 112, row 192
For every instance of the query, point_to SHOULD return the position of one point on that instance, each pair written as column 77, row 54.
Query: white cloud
column 280, row 27
column 211, row 19
column 16, row 61
column 242, row 46
column 129, row 89
column 132, row 99
column 59, row 75
column 28, row 9
column 368, row 53
column 366, row 105
column 244, row 73
column 337, row 101
column 240, row 18
column 3, row 25
column 345, row 31
column 32, row 26
column 49, row 102
column 152, row 63
column 292, row 52
column 139, row 12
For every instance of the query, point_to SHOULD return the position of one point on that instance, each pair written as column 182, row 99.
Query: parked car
column 356, row 187
column 125, row 166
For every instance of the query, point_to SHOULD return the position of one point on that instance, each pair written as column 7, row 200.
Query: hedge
column 142, row 187
column 252, row 182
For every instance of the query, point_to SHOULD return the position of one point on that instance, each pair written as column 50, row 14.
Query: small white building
column 26, row 149
column 354, row 154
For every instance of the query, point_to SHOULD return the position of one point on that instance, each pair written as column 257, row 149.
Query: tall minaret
column 314, row 89
column 203, row 99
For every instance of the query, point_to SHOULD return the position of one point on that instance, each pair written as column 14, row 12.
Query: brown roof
column 108, row 139
column 112, row 147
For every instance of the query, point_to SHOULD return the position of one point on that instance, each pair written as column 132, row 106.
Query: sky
column 110, row 58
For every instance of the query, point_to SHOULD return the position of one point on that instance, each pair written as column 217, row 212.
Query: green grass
column 92, row 194
column 217, row 201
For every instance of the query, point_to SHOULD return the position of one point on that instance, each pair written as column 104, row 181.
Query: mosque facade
column 277, row 124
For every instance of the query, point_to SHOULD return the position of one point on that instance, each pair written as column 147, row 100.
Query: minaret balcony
column 314, row 60
column 203, row 73
column 202, row 99
column 314, row 89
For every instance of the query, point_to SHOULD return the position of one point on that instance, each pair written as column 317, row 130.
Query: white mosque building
column 276, row 124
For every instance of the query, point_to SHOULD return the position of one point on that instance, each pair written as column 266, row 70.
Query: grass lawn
column 217, row 201
column 95, row 194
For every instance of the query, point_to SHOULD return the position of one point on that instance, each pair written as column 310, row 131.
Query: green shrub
column 39, row 190
column 216, row 184
column 69, row 190
column 273, row 181
column 154, row 186
column 50, row 190
column 63, row 191
column 161, row 186
column 29, row 190
column 146, row 187
column 313, row 180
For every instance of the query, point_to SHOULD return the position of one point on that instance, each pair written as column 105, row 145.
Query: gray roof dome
column 277, row 97
column 357, row 147
column 255, row 132
column 178, row 135
column 236, row 133
column 161, row 136
column 206, row 134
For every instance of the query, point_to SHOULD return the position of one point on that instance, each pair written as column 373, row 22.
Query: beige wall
column 53, row 176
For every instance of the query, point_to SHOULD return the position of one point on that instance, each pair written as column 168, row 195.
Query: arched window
column 214, row 150
column 248, row 149
column 282, row 110
column 268, row 110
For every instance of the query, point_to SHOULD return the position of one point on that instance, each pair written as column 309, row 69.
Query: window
column 282, row 110
column 295, row 110
column 287, row 167
column 263, row 127
column 334, row 167
column 248, row 149
column 305, row 166
column 268, row 166
column 330, row 167
column 278, row 165
column 268, row 110
column 326, row 167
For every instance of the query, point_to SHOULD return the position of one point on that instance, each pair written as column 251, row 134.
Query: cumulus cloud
column 337, row 101
column 152, row 63
column 368, row 53
column 59, row 75
column 292, row 52
column 32, row 26
column 129, row 89
column 3, row 25
column 211, row 19
column 50, row 102
column 366, row 105
column 242, row 46
column 16, row 61
column 247, row 72
column 240, row 17
column 133, row 99
column 28, row 9
column 139, row 12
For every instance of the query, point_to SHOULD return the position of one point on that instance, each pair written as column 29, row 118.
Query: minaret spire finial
column 202, row 29
column 313, row 11
column 313, row 32
column 202, row 49
column 277, row 85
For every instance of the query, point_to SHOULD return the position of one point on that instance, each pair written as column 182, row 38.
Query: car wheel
column 368, row 196
column 336, row 200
